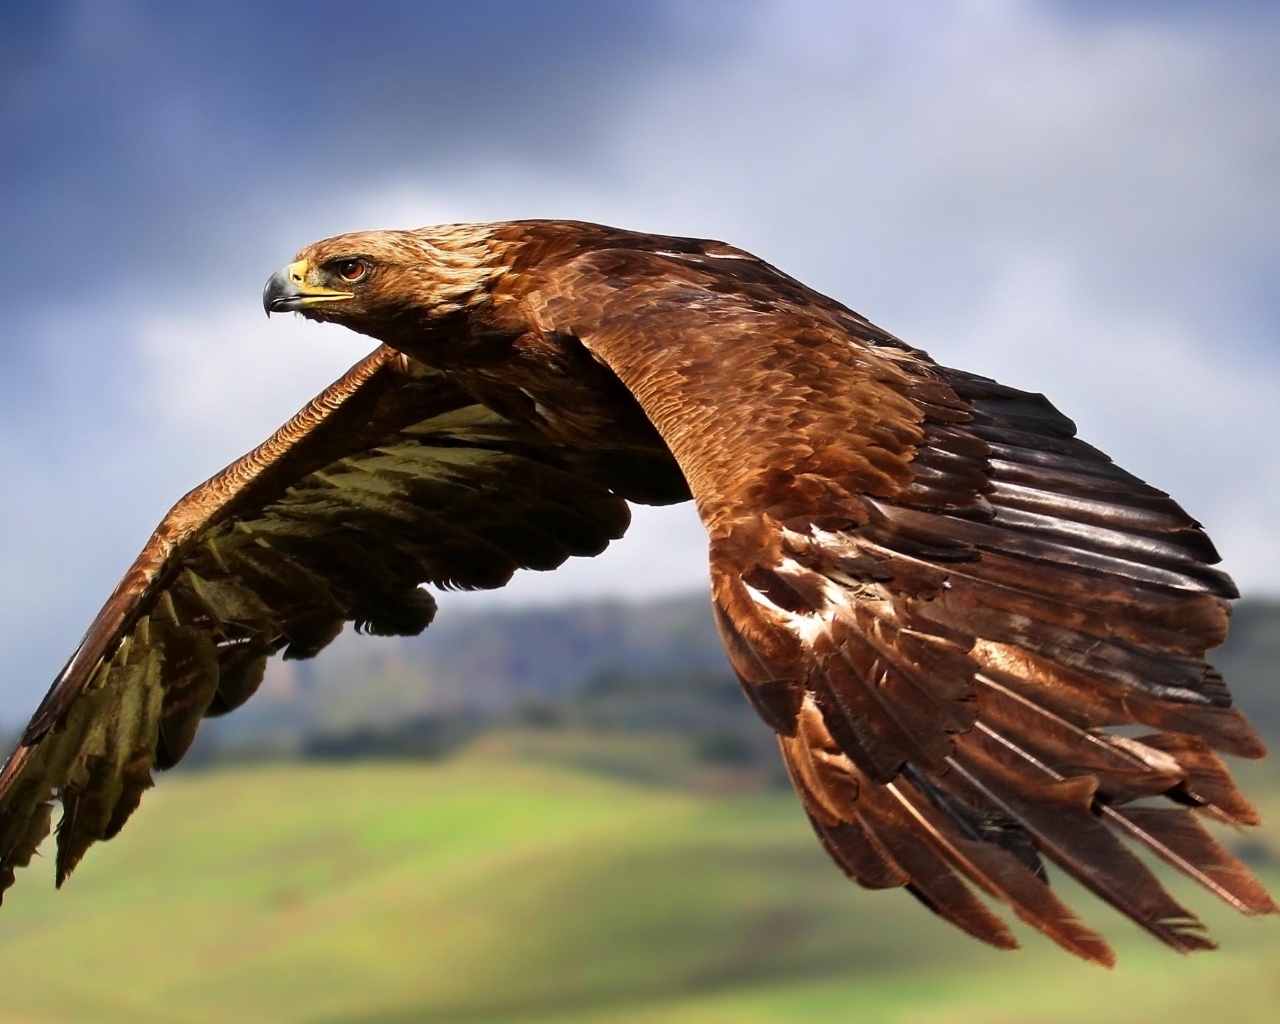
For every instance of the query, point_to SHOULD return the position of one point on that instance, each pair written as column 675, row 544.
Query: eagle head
column 371, row 281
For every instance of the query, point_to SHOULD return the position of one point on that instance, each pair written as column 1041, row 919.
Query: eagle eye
column 351, row 270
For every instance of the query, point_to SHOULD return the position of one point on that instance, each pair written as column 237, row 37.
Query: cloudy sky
column 1077, row 198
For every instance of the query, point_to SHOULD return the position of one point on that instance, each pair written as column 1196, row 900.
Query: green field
column 484, row 891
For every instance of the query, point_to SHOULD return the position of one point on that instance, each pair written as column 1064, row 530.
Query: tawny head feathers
column 371, row 280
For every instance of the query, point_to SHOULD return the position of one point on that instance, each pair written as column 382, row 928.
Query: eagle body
column 950, row 609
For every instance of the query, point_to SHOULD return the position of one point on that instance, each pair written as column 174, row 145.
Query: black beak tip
column 275, row 293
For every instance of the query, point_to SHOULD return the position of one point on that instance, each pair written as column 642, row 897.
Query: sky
column 1079, row 198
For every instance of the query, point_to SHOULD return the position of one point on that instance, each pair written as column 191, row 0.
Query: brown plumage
column 943, row 602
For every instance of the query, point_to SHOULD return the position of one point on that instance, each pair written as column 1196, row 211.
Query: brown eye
column 351, row 270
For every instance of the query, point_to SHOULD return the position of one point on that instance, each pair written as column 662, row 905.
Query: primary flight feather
column 943, row 602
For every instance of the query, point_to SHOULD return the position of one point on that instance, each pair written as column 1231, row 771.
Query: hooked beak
column 287, row 291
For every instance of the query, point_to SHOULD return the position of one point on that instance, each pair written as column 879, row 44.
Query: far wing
column 943, row 601
column 389, row 479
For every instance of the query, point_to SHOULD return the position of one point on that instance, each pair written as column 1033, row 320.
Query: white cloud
column 225, row 376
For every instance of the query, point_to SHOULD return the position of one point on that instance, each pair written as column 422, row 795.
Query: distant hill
column 650, row 669
column 1250, row 660
column 483, row 664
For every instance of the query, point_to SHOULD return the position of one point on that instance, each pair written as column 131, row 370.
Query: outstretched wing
column 389, row 479
column 951, row 610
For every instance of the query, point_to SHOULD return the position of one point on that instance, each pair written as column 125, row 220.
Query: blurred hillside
column 638, row 690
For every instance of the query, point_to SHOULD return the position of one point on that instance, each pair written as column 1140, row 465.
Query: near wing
column 940, row 599
column 389, row 479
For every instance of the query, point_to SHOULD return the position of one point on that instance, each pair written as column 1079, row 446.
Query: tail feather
column 935, row 881
column 1001, row 875
column 1207, row 782
column 860, row 855
column 1059, row 814
column 1177, row 838
column 1126, row 770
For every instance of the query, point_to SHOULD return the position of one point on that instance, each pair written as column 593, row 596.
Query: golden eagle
column 952, row 611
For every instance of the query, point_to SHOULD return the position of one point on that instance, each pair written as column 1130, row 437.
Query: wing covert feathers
column 381, row 484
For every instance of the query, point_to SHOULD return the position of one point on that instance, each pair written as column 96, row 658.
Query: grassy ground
column 483, row 892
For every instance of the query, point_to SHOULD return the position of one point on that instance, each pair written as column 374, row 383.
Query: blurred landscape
column 556, row 815
column 639, row 690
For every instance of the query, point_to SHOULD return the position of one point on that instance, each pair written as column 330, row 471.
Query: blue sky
column 1078, row 198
